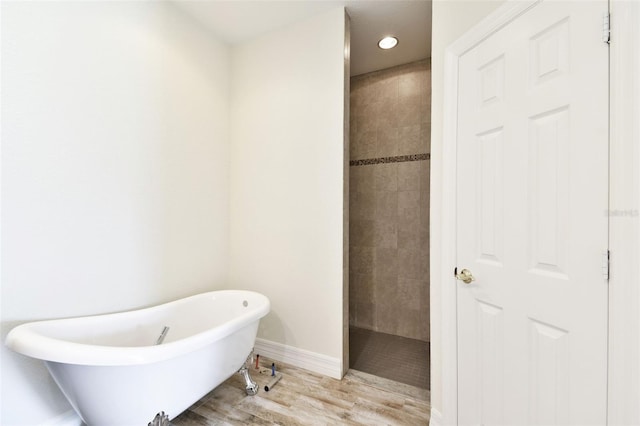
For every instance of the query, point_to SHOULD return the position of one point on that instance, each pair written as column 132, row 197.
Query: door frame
column 624, row 226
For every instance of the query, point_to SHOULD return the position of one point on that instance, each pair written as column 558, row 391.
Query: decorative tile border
column 396, row 159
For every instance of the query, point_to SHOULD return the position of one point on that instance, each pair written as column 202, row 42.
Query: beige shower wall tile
column 352, row 312
column 385, row 234
column 386, row 318
column 386, row 87
column 362, row 205
column 365, row 123
column 386, row 177
column 386, row 142
column 424, row 240
column 425, row 113
column 424, row 75
column 386, row 263
column 409, row 219
column 361, row 179
column 362, row 90
column 361, row 260
column 410, row 326
column 425, row 170
column 408, row 200
column 425, row 179
column 424, row 331
column 424, row 220
column 391, row 116
column 358, row 82
column 409, row 85
column 409, row 140
column 424, row 265
column 363, row 298
column 409, row 176
column 357, row 95
column 362, row 233
column 425, row 138
column 424, row 314
column 352, row 124
column 371, row 110
column 385, row 289
column 386, row 295
column 363, row 145
column 425, row 99
column 413, row 298
column 409, row 239
column 409, row 111
column 410, row 293
column 365, row 314
column 386, row 204
column 412, row 263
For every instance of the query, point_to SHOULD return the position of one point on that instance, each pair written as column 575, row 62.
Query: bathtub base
column 112, row 371
column 132, row 395
column 250, row 385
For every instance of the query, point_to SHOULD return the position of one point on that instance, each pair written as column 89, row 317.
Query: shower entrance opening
column 389, row 223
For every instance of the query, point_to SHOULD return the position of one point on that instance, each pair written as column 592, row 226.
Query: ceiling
column 236, row 21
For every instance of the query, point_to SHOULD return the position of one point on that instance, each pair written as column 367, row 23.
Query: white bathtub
column 113, row 373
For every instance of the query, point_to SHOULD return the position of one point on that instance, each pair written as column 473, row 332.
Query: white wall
column 287, row 180
column 114, row 170
column 451, row 19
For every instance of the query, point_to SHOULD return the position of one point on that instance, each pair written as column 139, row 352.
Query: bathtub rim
column 25, row 339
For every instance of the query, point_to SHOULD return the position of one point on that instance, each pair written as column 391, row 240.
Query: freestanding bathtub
column 113, row 371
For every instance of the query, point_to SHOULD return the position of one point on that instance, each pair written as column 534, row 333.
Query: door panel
column 532, row 167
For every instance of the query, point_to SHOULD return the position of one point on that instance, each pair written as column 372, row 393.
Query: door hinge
column 606, row 28
column 606, row 257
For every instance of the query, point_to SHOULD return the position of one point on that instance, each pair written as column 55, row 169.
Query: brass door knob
column 465, row 276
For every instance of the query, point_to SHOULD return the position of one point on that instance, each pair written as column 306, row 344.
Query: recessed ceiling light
column 388, row 42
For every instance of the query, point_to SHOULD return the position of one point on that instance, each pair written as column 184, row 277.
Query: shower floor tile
column 395, row 358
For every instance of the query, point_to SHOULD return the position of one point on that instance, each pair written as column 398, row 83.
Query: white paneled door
column 532, row 176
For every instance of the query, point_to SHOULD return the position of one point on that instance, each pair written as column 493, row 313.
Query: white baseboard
column 436, row 418
column 68, row 418
column 312, row 361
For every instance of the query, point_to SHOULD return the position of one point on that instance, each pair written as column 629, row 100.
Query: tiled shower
column 389, row 213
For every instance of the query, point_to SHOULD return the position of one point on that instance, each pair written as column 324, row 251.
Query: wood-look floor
column 305, row 398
